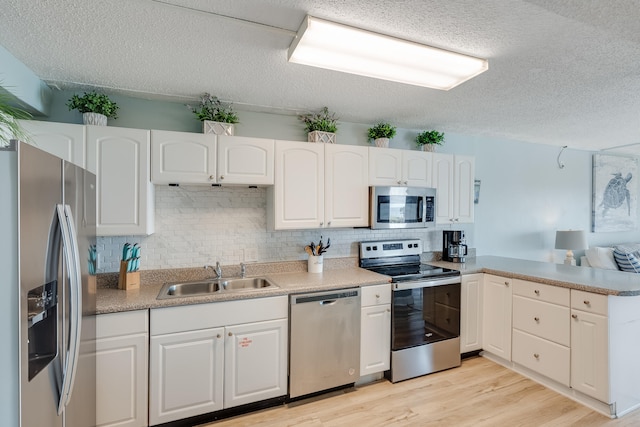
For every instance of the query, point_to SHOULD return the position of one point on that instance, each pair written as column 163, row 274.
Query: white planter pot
column 315, row 263
column 218, row 128
column 429, row 147
column 382, row 142
column 94, row 119
column 323, row 137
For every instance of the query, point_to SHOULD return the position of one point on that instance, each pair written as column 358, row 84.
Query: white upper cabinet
column 296, row 201
column 120, row 158
column 389, row 166
column 243, row 160
column 346, row 196
column 453, row 178
column 182, row 158
column 64, row 140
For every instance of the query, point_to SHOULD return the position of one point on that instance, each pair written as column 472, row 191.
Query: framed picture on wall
column 615, row 193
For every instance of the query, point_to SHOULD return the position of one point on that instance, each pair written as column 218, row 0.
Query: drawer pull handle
column 537, row 292
column 586, row 302
column 536, row 355
column 575, row 316
column 537, row 319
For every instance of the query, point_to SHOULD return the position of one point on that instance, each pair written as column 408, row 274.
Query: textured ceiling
column 561, row 72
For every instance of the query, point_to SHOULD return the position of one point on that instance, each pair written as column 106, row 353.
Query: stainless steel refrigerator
column 47, row 306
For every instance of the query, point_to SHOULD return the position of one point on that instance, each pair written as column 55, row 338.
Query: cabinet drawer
column 121, row 324
column 548, row 321
column 545, row 357
column 203, row 316
column 541, row 292
column 589, row 302
column 375, row 294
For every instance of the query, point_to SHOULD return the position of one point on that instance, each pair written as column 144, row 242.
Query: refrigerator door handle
column 72, row 259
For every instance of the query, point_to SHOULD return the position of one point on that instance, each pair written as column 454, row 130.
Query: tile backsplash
column 198, row 225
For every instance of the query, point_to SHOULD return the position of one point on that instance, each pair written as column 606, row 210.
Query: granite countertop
column 112, row 300
column 596, row 280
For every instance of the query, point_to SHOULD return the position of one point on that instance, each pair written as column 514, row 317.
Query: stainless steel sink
column 205, row 287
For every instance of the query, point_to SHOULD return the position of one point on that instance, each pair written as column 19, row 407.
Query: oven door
column 425, row 311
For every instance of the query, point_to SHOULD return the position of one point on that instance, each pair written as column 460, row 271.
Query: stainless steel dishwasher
column 324, row 346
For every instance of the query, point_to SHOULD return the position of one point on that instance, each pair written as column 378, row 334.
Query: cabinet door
column 255, row 362
column 124, row 199
column 375, row 339
column 463, row 193
column 298, row 191
column 385, row 166
column 244, row 160
column 121, row 381
column 497, row 305
column 346, row 196
column 416, row 166
column 443, row 182
column 589, row 354
column 60, row 139
column 471, row 313
column 185, row 374
column 182, row 158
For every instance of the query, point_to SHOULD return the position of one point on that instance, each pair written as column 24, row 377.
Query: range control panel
column 390, row 248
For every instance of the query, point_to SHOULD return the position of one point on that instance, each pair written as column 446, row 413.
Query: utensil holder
column 128, row 280
column 315, row 263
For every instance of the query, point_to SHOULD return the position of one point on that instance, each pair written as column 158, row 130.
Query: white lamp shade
column 571, row 239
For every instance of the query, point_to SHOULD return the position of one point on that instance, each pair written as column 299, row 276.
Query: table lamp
column 571, row 240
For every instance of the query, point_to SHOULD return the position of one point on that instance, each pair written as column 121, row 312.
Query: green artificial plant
column 94, row 102
column 430, row 137
column 211, row 108
column 322, row 121
column 381, row 130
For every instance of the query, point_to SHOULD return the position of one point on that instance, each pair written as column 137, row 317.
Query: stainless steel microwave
column 402, row 207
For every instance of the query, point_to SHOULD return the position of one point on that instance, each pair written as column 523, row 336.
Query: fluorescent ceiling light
column 338, row 47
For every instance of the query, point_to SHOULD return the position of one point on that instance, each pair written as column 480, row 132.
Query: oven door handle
column 416, row 284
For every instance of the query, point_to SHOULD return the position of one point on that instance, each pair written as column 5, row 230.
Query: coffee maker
column 454, row 246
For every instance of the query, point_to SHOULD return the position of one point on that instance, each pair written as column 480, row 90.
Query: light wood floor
column 479, row 393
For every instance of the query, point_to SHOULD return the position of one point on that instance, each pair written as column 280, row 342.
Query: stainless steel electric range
column 425, row 320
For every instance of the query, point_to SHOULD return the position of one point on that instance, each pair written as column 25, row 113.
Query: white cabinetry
column 120, row 158
column 207, row 357
column 541, row 329
column 471, row 313
column 121, row 369
column 182, row 158
column 453, row 177
column 375, row 329
column 60, row 139
column 244, row 160
column 346, row 189
column 496, row 337
column 389, row 166
column 590, row 344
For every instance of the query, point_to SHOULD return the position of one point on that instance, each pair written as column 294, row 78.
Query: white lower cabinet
column 208, row 357
column 496, row 336
column 375, row 329
column 121, row 369
column 471, row 313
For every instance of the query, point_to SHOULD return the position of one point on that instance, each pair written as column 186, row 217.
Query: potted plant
column 216, row 117
column 9, row 127
column 321, row 127
column 95, row 108
column 429, row 139
column 381, row 134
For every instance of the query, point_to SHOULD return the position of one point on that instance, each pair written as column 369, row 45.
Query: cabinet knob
column 575, row 316
column 536, row 355
column 377, row 295
column 406, row 182
column 321, row 224
column 218, row 336
column 388, row 310
column 537, row 292
column 399, row 182
column 506, row 283
column 537, row 319
column 212, row 178
column 329, row 224
column 221, row 177
column 230, row 334
column 457, row 219
column 586, row 302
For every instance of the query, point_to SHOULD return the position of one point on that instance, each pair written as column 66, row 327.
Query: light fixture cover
column 571, row 239
column 338, row 47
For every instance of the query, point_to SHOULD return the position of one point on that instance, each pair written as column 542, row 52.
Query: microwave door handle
column 424, row 210
column 72, row 257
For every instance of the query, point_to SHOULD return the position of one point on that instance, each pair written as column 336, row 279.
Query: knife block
column 128, row 281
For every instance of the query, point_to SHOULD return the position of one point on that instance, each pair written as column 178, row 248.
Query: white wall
column 524, row 198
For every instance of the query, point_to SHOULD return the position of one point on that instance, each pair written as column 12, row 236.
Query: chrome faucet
column 217, row 269
column 243, row 269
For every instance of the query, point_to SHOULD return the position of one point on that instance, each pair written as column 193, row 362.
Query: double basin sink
column 212, row 286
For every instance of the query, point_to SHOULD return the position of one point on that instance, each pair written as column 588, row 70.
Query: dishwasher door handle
column 328, row 302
